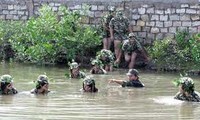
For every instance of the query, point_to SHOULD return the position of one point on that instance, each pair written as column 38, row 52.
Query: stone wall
column 151, row 19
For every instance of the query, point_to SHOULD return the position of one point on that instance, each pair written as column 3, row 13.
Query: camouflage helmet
column 88, row 81
column 131, row 35
column 42, row 80
column 132, row 72
column 42, row 77
column 73, row 65
column 97, row 62
column 6, row 78
column 187, row 84
column 104, row 52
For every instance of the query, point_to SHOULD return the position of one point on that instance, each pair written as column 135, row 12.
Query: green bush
column 181, row 53
column 52, row 36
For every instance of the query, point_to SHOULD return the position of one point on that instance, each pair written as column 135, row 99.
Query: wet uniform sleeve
column 132, row 84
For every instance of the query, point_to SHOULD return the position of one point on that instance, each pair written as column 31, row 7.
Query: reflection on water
column 154, row 102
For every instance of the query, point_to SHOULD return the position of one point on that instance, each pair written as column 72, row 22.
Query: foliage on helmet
column 186, row 82
column 6, row 78
column 97, row 62
column 73, row 64
column 88, row 81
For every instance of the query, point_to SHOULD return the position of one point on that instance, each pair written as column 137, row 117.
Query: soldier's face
column 75, row 71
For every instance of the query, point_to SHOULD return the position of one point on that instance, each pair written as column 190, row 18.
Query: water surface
column 154, row 102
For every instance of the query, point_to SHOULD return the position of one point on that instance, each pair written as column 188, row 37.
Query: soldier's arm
column 116, row 81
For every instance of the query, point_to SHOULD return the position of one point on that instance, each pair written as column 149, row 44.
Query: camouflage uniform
column 119, row 26
column 105, row 21
column 132, row 83
column 100, row 65
column 6, row 80
column 129, row 47
column 74, row 65
column 108, row 55
column 192, row 98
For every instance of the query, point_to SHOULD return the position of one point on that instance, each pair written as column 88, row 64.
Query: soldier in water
column 42, row 85
column 186, row 90
column 7, row 87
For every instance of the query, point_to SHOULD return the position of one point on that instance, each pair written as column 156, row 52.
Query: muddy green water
column 66, row 102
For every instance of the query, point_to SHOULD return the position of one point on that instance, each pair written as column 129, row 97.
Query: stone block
column 191, row 11
column 172, row 29
column 142, row 34
column 145, row 5
column 150, row 10
column 15, row 17
column 155, row 30
column 91, row 13
column 150, row 36
column 146, row 29
column 159, row 24
column 5, row 12
column 168, row 11
column 164, row 30
column 174, row 17
column 181, row 11
column 151, row 24
column 168, row 24
column 187, row 24
column 198, row 29
column 185, row 17
column 101, row 7
column 155, row 17
column 145, row 17
column 159, row 36
column 135, row 17
column 94, row 7
column 176, row 23
column 16, row 7
column 133, row 23
column 57, row 4
column 24, row 18
column 141, row 11
column 193, row 29
column 196, row 23
column 77, row 7
column 98, row 14
column 55, row 9
column 140, row 23
column 51, row 4
column 182, row 28
column 195, row 17
column 2, row 17
column 13, row 12
column 134, row 11
column 10, row 7
column 185, row 6
column 23, row 7
column 136, row 28
column 164, row 17
column 9, row 17
column 160, row 12
column 196, row 6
